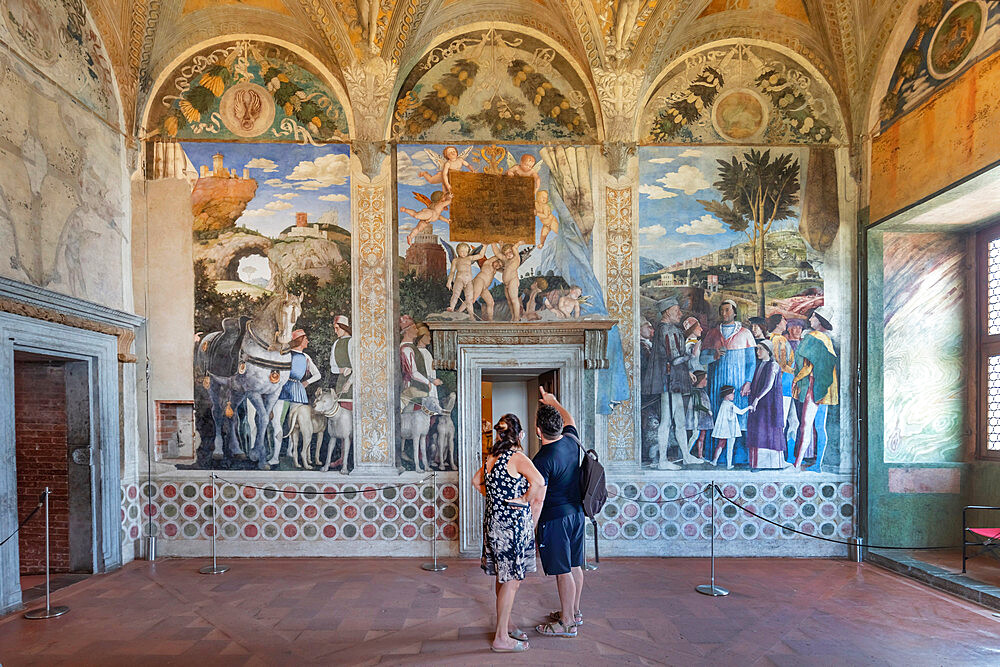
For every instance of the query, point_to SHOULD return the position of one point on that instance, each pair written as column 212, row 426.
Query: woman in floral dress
column 514, row 492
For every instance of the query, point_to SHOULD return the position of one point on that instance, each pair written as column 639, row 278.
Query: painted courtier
column 815, row 388
column 341, row 354
column 733, row 346
column 416, row 385
column 669, row 367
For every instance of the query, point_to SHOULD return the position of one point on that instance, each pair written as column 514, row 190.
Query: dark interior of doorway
column 52, row 449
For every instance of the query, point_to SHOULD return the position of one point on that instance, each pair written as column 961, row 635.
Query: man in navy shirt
column 561, row 524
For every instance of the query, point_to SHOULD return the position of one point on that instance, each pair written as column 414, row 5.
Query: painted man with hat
column 671, row 375
column 303, row 373
column 815, row 388
column 341, row 354
column 733, row 347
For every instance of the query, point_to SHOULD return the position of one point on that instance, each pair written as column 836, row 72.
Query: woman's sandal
column 519, row 647
column 518, row 634
column 557, row 617
column 556, row 629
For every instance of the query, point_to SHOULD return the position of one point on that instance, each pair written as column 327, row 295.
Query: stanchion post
column 49, row 611
column 214, row 568
column 597, row 554
column 712, row 589
column 434, row 566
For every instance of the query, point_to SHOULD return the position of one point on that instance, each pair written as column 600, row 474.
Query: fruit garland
column 687, row 108
column 542, row 94
column 444, row 95
column 794, row 106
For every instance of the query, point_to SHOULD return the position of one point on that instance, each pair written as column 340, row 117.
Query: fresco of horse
column 263, row 367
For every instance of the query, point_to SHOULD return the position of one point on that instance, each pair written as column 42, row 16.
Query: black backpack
column 592, row 482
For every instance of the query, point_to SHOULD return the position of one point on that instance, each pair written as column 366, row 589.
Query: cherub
column 511, row 259
column 569, row 303
column 528, row 167
column 461, row 276
column 481, row 286
column 543, row 210
column 452, row 161
column 434, row 205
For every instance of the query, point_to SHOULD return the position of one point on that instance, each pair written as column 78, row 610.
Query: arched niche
column 741, row 91
column 247, row 89
column 491, row 82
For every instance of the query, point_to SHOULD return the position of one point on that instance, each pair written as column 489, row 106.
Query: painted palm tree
column 756, row 192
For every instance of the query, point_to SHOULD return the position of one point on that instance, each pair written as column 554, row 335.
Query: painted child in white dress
column 727, row 426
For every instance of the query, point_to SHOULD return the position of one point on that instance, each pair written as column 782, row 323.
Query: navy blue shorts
column 560, row 543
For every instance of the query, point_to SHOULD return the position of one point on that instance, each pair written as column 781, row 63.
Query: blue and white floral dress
column 508, row 539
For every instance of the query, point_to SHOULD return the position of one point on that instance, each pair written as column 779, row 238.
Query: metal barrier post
column 214, row 568
column 712, row 589
column 597, row 554
column 49, row 611
column 434, row 566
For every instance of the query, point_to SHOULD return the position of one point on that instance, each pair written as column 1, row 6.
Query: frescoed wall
column 724, row 272
column 62, row 175
column 273, row 220
column 523, row 256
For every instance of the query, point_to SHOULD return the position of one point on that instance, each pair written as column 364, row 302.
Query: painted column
column 621, row 287
column 374, row 405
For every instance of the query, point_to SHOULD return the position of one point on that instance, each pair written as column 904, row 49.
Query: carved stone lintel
column 370, row 154
column 591, row 334
column 618, row 153
column 126, row 336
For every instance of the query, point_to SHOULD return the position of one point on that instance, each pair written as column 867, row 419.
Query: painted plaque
column 492, row 208
column 739, row 115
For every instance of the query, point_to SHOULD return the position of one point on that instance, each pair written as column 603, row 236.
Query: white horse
column 264, row 365
column 339, row 425
column 444, row 434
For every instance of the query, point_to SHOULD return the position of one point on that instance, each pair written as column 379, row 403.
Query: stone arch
column 558, row 71
column 765, row 86
column 223, row 258
column 192, row 61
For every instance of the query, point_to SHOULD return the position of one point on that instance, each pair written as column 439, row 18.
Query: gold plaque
column 492, row 208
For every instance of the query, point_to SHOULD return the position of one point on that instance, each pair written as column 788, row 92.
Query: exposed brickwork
column 174, row 429
column 41, row 460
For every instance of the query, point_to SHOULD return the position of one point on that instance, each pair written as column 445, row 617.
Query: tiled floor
column 984, row 568
column 33, row 585
column 368, row 611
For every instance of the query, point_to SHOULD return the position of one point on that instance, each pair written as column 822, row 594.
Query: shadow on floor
column 33, row 585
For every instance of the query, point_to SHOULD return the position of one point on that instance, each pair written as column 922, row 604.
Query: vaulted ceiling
column 842, row 39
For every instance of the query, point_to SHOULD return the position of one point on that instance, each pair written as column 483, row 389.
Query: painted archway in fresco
column 744, row 265
column 264, row 136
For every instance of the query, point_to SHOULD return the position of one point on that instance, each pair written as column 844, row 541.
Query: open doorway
column 515, row 391
column 52, row 449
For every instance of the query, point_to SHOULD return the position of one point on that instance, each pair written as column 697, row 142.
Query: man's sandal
column 518, row 634
column 519, row 647
column 557, row 617
column 556, row 629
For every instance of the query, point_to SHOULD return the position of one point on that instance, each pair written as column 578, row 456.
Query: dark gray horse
column 262, row 369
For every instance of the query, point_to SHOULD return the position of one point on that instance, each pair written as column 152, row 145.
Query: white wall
column 511, row 397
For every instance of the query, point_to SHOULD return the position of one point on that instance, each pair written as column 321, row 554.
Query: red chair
column 988, row 539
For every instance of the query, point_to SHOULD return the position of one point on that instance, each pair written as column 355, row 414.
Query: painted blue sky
column 411, row 160
column 673, row 226
column 290, row 178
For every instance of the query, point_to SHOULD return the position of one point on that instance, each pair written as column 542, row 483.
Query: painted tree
column 755, row 193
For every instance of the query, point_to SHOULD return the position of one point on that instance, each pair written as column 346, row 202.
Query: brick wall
column 174, row 430
column 41, row 459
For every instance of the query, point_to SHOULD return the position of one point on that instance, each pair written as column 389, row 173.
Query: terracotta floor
column 368, row 611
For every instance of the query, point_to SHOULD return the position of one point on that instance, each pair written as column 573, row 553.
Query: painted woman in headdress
column 735, row 359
